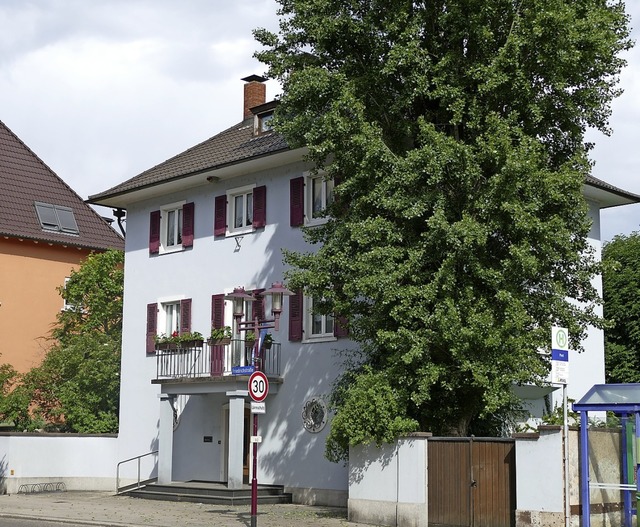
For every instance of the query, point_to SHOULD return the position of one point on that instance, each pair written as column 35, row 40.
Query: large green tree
column 621, row 289
column 455, row 132
column 76, row 387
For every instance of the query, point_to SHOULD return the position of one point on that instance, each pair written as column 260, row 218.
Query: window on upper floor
column 66, row 306
column 56, row 218
column 171, row 228
column 265, row 122
column 167, row 316
column 240, row 211
column 307, row 326
column 310, row 195
column 170, row 311
column 317, row 325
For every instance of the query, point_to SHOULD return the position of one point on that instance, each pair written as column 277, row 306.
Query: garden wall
column 80, row 461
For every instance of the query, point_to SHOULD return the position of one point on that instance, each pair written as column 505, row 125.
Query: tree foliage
column 455, row 132
column 621, row 289
column 76, row 387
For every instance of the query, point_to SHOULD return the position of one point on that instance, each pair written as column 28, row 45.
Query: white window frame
column 162, row 321
column 165, row 211
column 326, row 185
column 232, row 194
column 308, row 324
column 65, row 306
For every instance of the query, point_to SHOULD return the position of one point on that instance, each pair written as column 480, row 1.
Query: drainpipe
column 120, row 214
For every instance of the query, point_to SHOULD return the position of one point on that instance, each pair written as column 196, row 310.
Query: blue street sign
column 562, row 355
column 242, row 370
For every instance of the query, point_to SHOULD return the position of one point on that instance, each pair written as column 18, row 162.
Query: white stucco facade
column 289, row 455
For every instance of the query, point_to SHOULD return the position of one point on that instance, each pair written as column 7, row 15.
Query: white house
column 203, row 223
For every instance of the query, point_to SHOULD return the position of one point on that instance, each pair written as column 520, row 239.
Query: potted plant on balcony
column 220, row 336
column 166, row 342
column 268, row 341
column 188, row 340
column 249, row 339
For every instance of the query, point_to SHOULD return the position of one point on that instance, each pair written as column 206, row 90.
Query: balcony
column 210, row 360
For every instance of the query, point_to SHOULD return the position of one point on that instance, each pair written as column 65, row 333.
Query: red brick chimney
column 255, row 93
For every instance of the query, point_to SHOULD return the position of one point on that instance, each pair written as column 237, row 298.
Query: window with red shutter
column 257, row 305
column 220, row 216
column 154, row 232
column 188, row 217
column 217, row 311
column 296, row 201
column 259, row 207
column 341, row 328
column 185, row 315
column 295, row 317
column 152, row 327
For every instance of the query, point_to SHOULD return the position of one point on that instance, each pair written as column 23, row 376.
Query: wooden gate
column 472, row 482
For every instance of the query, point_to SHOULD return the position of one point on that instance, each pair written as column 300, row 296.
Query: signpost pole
column 258, row 390
column 560, row 375
column 254, row 478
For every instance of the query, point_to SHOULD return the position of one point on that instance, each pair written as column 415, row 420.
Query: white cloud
column 104, row 89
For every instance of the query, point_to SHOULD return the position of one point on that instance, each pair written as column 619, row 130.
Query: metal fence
column 214, row 360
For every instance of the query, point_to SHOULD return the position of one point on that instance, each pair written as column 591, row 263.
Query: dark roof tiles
column 25, row 179
column 234, row 145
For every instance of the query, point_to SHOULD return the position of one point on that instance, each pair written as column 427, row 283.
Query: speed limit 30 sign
column 258, row 386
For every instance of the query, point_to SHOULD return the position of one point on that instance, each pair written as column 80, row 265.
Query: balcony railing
column 215, row 360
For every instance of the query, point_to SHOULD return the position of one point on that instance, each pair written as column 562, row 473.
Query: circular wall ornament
column 314, row 415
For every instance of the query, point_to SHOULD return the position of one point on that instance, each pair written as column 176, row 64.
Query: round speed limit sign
column 258, row 386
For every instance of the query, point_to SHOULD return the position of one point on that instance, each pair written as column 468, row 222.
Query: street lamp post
column 239, row 296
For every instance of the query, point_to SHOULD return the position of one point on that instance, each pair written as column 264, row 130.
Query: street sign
column 242, row 370
column 559, row 355
column 258, row 408
column 559, row 367
column 258, row 386
column 559, row 339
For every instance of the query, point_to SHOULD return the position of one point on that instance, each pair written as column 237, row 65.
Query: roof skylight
column 56, row 218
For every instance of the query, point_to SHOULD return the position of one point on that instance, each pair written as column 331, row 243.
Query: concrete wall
column 81, row 462
column 540, row 477
column 388, row 484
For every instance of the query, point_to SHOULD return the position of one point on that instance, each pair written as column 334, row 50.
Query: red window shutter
column 220, row 216
column 258, row 304
column 259, row 207
column 296, row 201
column 154, row 232
column 188, row 212
column 152, row 327
column 295, row 317
column 217, row 311
column 185, row 316
column 341, row 327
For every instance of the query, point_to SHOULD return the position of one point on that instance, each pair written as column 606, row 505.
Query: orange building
column 46, row 230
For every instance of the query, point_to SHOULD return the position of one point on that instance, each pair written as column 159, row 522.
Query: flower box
column 219, row 342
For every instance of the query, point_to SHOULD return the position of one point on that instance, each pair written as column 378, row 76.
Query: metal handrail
column 138, row 483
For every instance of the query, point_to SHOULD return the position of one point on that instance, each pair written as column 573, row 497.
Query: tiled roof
column 598, row 183
column 238, row 144
column 25, row 179
column 234, row 145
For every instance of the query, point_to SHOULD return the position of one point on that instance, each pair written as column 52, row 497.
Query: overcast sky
column 101, row 90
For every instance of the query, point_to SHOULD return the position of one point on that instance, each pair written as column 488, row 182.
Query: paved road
column 15, row 522
column 103, row 509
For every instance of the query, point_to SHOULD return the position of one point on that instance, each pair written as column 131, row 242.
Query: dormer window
column 263, row 118
column 56, row 218
column 265, row 122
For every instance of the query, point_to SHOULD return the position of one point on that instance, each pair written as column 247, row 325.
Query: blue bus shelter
column 624, row 401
